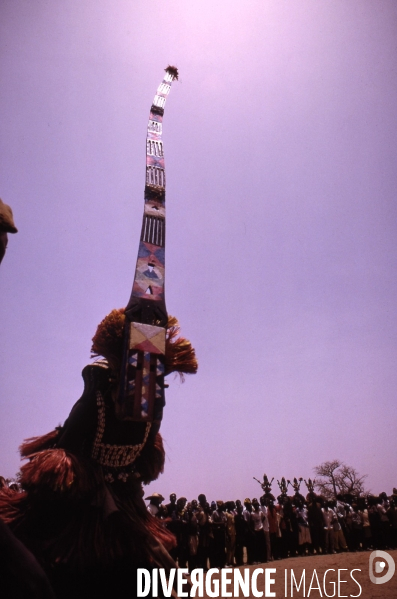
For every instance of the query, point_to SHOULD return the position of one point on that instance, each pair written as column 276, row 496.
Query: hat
column 155, row 496
column 247, row 500
column 7, row 224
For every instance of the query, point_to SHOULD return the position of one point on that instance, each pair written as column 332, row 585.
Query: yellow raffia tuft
column 180, row 356
column 108, row 339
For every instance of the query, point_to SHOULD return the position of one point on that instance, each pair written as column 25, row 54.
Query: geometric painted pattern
column 149, row 273
column 147, row 338
column 142, row 389
column 145, row 386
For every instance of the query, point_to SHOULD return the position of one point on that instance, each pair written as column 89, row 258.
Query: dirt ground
column 344, row 562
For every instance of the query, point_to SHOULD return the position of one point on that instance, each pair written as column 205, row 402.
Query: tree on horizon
column 339, row 478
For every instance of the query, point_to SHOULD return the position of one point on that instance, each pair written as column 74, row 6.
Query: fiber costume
column 82, row 513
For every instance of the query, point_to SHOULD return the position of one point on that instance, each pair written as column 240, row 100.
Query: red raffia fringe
column 150, row 463
column 179, row 354
column 35, row 444
column 55, row 472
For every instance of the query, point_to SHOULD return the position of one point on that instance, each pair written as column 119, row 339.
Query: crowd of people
column 221, row 534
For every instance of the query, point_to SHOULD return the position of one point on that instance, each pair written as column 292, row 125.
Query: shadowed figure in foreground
column 81, row 512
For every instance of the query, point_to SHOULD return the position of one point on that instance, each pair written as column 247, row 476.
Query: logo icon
column 382, row 558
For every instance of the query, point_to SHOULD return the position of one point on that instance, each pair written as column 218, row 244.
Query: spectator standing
column 230, row 533
column 259, row 542
column 329, row 517
column 192, row 530
column 171, row 506
column 392, row 515
column 357, row 529
column 338, row 521
column 315, row 519
column 274, row 531
column 367, row 534
column 218, row 519
column 304, row 531
column 249, row 540
column 154, row 504
column 181, row 531
column 374, row 520
column 204, row 531
column 241, row 526
column 266, row 528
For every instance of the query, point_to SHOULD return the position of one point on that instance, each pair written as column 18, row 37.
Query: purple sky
column 280, row 147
